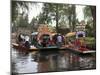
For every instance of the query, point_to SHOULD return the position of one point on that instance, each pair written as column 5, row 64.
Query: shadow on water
column 50, row 61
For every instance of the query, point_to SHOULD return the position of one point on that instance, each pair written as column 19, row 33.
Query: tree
column 93, row 11
column 57, row 14
column 16, row 6
column 46, row 16
column 73, row 17
column 19, row 12
column 20, row 7
column 60, row 13
column 23, row 21
column 51, row 12
column 90, row 15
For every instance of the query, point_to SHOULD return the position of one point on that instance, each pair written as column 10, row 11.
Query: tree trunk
column 46, row 14
column 70, row 22
column 73, row 17
column 57, row 17
column 70, row 18
column 93, row 11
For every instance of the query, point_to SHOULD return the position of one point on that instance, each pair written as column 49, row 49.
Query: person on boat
column 21, row 39
column 45, row 40
column 50, row 42
column 77, row 43
column 39, row 44
column 82, row 41
column 34, row 40
column 63, row 39
column 54, row 38
column 59, row 40
column 70, row 43
column 27, row 43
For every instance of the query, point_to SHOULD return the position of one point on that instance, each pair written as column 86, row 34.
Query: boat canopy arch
column 80, row 34
column 34, row 33
column 43, row 30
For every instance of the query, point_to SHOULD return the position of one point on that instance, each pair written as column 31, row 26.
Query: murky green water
column 50, row 61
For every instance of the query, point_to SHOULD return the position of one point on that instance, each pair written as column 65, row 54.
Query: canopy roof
column 34, row 33
column 80, row 32
column 70, row 34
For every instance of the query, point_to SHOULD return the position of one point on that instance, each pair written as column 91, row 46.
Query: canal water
column 50, row 61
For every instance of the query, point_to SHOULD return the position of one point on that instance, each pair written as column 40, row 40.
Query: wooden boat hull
column 16, row 46
column 79, row 51
column 19, row 47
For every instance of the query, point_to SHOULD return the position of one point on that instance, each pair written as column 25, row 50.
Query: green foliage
column 89, row 29
column 87, row 12
column 90, row 40
column 90, row 16
column 62, row 14
column 16, row 6
column 23, row 21
column 20, row 11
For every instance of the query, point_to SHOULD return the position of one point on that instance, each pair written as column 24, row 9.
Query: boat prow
column 19, row 47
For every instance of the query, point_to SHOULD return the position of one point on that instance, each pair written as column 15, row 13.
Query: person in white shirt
column 27, row 44
column 27, row 38
column 59, row 40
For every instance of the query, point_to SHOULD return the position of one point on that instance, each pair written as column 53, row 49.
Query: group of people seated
column 24, row 40
column 78, row 43
column 47, row 41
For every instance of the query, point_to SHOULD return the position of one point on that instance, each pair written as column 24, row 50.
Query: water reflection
column 49, row 61
column 23, row 63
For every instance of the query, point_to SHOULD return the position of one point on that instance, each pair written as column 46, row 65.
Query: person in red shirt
column 77, row 43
